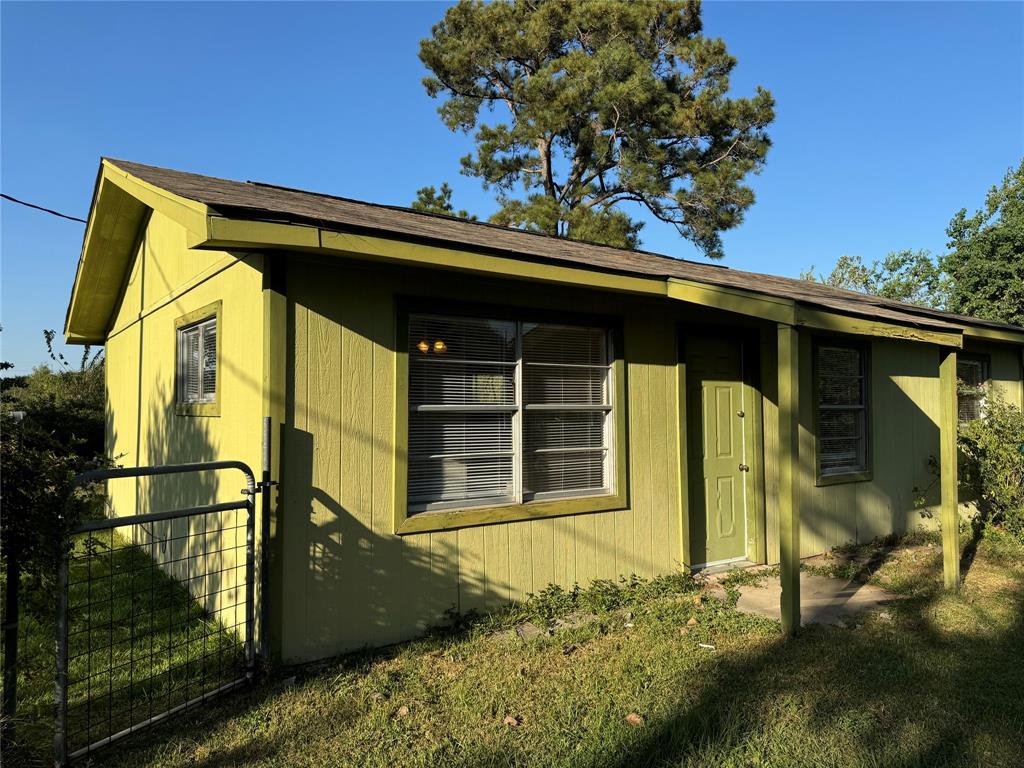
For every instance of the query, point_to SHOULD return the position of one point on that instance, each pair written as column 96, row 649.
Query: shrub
column 51, row 428
column 993, row 451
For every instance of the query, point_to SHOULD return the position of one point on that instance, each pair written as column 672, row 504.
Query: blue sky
column 890, row 117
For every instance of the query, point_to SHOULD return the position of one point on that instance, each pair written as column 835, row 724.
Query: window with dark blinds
column 972, row 386
column 197, row 362
column 505, row 411
column 842, row 409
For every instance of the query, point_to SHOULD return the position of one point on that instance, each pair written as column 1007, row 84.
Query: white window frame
column 183, row 360
column 518, row 409
column 850, row 472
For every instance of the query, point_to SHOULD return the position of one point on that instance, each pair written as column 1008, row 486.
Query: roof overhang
column 232, row 233
column 122, row 203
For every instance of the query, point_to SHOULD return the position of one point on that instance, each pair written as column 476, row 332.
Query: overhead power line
column 41, row 208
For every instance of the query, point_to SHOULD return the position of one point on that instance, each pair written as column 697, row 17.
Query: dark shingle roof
column 254, row 200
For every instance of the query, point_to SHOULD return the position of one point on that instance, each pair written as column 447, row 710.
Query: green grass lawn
column 936, row 680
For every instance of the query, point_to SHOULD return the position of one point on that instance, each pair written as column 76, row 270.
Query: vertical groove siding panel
column 564, row 553
column 606, row 566
column 472, row 569
column 443, row 592
column 415, row 584
column 542, row 534
column 1006, row 372
column 325, row 577
column 387, row 549
column 662, row 459
column 355, row 519
column 624, row 546
column 297, row 480
column 643, row 511
column 587, row 549
column 520, row 560
column 496, row 557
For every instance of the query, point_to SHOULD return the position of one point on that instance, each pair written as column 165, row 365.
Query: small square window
column 196, row 367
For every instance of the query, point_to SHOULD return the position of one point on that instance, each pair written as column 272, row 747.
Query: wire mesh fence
column 155, row 614
column 156, row 622
column 150, row 615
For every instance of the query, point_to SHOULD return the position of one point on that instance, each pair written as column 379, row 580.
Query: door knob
column 741, row 414
column 744, row 468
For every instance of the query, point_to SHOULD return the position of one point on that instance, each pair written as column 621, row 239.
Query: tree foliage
column 432, row 200
column 913, row 277
column 986, row 259
column 993, row 451
column 51, row 428
column 604, row 103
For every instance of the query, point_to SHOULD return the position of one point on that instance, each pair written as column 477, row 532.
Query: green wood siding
column 348, row 579
column 903, row 434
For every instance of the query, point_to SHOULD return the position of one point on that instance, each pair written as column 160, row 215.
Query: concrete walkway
column 822, row 600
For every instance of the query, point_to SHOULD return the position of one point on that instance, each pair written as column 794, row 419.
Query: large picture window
column 842, row 410
column 507, row 412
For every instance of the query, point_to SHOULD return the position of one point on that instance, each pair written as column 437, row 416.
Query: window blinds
column 842, row 422
column 505, row 411
column 566, row 398
column 197, row 362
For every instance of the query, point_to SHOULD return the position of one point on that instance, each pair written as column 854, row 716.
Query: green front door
column 717, row 455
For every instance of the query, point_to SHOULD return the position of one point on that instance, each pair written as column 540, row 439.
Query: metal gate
column 155, row 613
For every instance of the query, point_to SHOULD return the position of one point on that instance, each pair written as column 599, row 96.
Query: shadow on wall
column 206, row 553
column 347, row 580
column 903, row 439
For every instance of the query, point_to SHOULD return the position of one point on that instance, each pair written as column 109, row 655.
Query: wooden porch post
column 948, row 470
column 789, row 475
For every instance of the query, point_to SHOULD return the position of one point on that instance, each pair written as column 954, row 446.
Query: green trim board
column 274, row 386
column 447, row 519
column 994, row 334
column 948, row 479
column 682, row 465
column 213, row 310
column 733, row 300
column 789, row 475
column 464, row 518
column 844, row 324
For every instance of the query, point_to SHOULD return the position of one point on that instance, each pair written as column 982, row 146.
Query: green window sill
column 840, row 479
column 197, row 409
column 464, row 518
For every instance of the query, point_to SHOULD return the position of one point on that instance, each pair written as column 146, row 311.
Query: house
column 464, row 413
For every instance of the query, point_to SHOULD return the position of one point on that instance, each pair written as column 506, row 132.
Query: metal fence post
column 60, row 747
column 250, row 556
column 265, row 485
